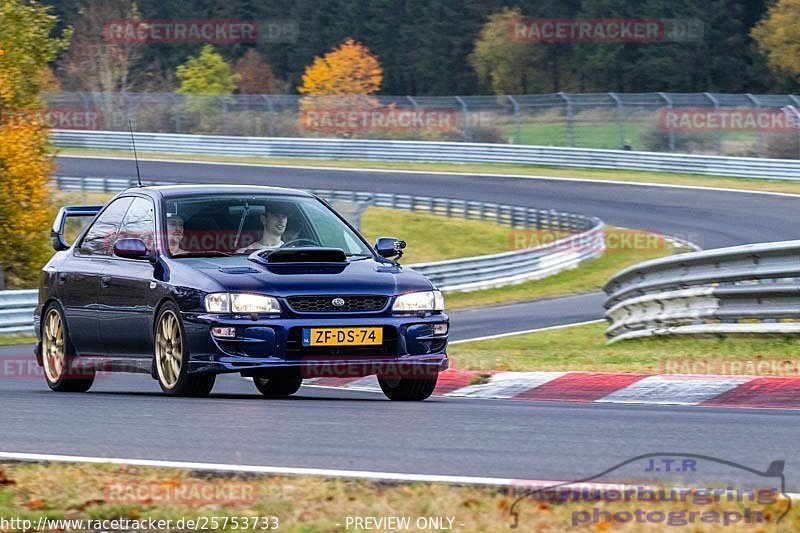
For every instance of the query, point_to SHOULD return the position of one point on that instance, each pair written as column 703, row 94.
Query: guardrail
column 742, row 289
column 16, row 311
column 584, row 238
column 449, row 152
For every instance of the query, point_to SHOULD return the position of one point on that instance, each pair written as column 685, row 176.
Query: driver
column 274, row 222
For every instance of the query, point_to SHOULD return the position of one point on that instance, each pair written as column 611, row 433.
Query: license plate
column 342, row 336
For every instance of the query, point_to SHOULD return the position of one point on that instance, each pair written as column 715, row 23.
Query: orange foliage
column 349, row 69
column 340, row 81
column 25, row 167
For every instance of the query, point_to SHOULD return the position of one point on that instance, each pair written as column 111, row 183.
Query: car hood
column 363, row 276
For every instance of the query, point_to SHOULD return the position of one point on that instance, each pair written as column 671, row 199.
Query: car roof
column 167, row 191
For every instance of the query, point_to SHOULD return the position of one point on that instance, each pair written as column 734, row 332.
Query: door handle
column 105, row 281
column 62, row 278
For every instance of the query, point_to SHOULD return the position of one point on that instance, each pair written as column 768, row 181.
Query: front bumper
column 263, row 344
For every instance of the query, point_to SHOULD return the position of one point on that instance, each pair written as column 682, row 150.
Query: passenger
column 175, row 234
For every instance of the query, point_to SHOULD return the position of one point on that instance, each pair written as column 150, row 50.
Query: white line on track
column 444, row 173
column 255, row 469
column 512, row 333
column 530, row 484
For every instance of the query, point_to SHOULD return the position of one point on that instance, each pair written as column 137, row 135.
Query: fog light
column 223, row 332
column 440, row 329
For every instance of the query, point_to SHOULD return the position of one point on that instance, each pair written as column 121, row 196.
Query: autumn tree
column 341, row 80
column 96, row 61
column 207, row 80
column 26, row 49
column 348, row 69
column 506, row 65
column 255, row 75
column 778, row 36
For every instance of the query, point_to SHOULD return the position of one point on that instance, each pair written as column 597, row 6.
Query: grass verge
column 666, row 178
column 625, row 247
column 584, row 348
column 8, row 340
column 309, row 504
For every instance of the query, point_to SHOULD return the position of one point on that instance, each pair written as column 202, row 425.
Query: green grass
column 785, row 186
column 587, row 135
column 624, row 248
column 435, row 237
column 308, row 504
column 584, row 348
column 9, row 340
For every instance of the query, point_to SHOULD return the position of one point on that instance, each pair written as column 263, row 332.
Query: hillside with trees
column 439, row 47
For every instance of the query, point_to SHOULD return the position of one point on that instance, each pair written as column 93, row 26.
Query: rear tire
column 408, row 389
column 172, row 357
column 279, row 385
column 58, row 355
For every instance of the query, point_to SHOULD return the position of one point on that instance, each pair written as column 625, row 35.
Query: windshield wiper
column 359, row 256
column 208, row 253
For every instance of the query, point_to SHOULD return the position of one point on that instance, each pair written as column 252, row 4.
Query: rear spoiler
column 57, row 232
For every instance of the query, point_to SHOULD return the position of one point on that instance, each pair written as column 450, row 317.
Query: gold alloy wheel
column 169, row 349
column 53, row 353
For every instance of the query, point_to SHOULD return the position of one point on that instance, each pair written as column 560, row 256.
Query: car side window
column 100, row 238
column 139, row 222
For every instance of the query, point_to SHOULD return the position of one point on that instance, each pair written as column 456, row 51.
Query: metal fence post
column 671, row 132
column 176, row 111
column 271, row 115
column 796, row 109
column 517, row 119
column 416, row 106
column 465, row 112
column 761, row 142
column 718, row 134
column 620, row 119
column 570, row 121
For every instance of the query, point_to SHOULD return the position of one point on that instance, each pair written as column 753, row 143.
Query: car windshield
column 215, row 225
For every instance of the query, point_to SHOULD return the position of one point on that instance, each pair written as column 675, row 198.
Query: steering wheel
column 296, row 243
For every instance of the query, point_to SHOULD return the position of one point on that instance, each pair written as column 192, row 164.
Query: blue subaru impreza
column 187, row 282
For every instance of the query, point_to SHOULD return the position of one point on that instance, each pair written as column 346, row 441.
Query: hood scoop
column 294, row 256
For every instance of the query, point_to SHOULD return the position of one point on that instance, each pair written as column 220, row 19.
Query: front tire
column 280, row 384
column 172, row 357
column 58, row 354
column 407, row 389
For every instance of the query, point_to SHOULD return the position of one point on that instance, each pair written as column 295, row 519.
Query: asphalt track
column 125, row 416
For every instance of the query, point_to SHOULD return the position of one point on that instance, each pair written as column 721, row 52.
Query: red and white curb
column 604, row 387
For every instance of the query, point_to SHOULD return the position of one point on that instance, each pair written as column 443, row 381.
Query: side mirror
column 389, row 247
column 131, row 249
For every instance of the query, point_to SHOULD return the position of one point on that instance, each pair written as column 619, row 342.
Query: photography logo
column 666, row 489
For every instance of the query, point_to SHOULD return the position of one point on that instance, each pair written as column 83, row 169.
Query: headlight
column 419, row 301
column 223, row 302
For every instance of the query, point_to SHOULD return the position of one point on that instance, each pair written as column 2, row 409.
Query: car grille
column 324, row 304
